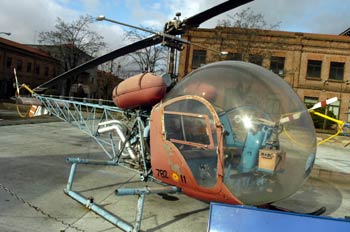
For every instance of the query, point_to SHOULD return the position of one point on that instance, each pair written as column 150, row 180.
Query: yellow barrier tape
column 339, row 123
column 17, row 106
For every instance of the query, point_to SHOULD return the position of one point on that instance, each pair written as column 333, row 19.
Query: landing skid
column 99, row 210
column 125, row 145
column 317, row 212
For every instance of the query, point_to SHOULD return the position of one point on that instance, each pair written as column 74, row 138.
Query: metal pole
column 140, row 204
column 147, row 190
column 71, row 177
column 88, row 203
column 100, row 211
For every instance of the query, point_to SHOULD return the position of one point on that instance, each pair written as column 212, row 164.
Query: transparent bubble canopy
column 269, row 142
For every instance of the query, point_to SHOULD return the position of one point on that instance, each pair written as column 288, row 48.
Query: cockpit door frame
column 218, row 130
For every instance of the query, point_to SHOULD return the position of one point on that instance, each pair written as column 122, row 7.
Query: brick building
column 33, row 66
column 92, row 83
column 36, row 64
column 316, row 66
column 70, row 56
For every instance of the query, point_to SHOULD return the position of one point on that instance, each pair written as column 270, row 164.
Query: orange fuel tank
column 144, row 89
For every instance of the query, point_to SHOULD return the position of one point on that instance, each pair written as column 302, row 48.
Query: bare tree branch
column 72, row 37
column 240, row 32
column 150, row 58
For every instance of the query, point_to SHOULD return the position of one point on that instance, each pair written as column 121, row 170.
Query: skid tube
column 99, row 210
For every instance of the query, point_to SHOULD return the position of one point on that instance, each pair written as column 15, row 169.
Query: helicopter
column 230, row 132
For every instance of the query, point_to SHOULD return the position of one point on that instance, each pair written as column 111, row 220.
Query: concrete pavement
column 32, row 166
column 33, row 174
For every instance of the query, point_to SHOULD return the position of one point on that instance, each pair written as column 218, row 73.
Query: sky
column 26, row 19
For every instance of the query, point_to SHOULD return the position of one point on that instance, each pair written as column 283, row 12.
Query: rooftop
column 23, row 47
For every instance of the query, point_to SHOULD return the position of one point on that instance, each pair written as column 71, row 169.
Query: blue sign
column 236, row 218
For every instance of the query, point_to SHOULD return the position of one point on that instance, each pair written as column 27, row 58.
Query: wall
column 296, row 48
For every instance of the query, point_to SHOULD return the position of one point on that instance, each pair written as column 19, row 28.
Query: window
column 256, row 59
column 188, row 137
column 310, row 101
column 336, row 71
column 19, row 65
column 334, row 108
column 197, row 145
column 234, row 56
column 277, row 65
column 199, row 57
column 37, row 69
column 314, row 69
column 46, row 71
column 331, row 110
column 9, row 62
column 29, row 67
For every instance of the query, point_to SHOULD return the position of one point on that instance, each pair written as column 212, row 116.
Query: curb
column 332, row 176
column 28, row 121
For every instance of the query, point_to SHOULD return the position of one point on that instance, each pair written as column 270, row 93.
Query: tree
column 73, row 44
column 247, row 18
column 244, row 28
column 112, row 66
column 151, row 59
column 71, row 39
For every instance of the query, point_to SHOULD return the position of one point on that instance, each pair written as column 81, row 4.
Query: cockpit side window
column 188, row 129
column 189, row 125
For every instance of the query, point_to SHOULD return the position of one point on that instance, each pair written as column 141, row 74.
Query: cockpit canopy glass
column 269, row 139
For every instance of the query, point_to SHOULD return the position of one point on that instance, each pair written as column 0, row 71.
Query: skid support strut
column 114, row 219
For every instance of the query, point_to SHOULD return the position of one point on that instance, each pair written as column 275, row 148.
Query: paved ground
column 33, row 174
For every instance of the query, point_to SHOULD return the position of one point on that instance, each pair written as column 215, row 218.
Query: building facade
column 316, row 66
column 33, row 66
column 37, row 64
column 70, row 56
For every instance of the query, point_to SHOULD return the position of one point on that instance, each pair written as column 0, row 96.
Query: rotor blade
column 197, row 19
column 156, row 39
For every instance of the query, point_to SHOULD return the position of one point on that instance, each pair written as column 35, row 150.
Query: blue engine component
column 253, row 143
